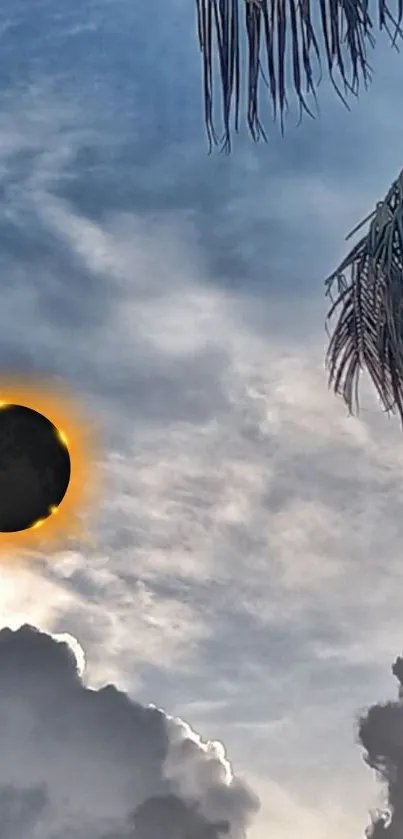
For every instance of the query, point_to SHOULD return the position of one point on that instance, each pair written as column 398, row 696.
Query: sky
column 242, row 593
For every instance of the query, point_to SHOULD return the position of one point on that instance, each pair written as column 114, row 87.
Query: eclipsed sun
column 48, row 466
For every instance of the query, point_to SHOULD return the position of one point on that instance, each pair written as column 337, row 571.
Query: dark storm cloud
column 92, row 763
column 381, row 735
column 21, row 811
column 151, row 818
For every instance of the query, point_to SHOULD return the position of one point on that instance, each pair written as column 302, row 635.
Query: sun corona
column 79, row 436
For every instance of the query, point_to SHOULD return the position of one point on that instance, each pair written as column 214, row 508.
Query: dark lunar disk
column 34, row 468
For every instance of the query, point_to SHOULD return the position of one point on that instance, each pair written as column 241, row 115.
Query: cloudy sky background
column 246, row 573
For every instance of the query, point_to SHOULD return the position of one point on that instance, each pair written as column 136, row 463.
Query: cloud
column 380, row 734
column 248, row 522
column 21, row 811
column 228, row 557
column 81, row 762
column 153, row 816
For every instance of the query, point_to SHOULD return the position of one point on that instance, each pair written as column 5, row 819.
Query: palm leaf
column 279, row 33
column 369, row 305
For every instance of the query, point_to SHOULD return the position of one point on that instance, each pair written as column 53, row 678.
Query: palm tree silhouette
column 303, row 35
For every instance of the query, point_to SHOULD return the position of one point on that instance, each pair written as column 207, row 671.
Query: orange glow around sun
column 79, row 436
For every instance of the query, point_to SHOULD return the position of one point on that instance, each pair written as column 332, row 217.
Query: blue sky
column 246, row 568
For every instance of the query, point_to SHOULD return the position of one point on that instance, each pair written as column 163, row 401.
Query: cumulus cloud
column 95, row 764
column 380, row 733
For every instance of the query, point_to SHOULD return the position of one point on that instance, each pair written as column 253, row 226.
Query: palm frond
column 301, row 34
column 369, row 305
